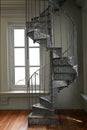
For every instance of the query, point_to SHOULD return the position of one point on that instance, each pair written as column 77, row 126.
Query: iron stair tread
column 37, row 25
column 39, row 33
column 64, row 57
column 31, row 115
column 44, row 98
column 61, row 86
column 65, row 77
column 41, row 120
column 37, row 30
column 39, row 106
column 64, row 68
column 55, row 48
column 70, row 73
column 63, row 61
column 63, row 65
column 60, row 83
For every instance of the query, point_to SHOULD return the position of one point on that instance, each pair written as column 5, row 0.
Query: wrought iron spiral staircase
column 61, row 71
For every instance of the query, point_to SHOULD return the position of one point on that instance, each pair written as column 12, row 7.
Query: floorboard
column 67, row 120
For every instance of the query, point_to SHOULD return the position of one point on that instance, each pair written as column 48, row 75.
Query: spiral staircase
column 61, row 70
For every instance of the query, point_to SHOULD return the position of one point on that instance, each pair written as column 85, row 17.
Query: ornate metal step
column 36, row 35
column 42, row 25
column 41, row 22
column 64, row 69
column 41, row 120
column 65, row 77
column 38, row 109
column 59, row 85
column 40, row 37
column 62, row 61
column 45, row 102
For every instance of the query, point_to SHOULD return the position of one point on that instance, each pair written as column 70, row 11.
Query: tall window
column 23, row 60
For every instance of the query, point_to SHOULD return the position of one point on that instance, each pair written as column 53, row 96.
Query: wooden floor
column 67, row 120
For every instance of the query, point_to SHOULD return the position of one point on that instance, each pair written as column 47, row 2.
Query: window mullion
column 26, row 59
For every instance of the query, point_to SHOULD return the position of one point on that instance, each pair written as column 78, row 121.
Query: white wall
column 84, row 21
column 85, row 45
column 68, row 98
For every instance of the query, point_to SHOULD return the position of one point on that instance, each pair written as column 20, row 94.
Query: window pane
column 33, row 69
column 34, row 56
column 19, row 37
column 37, row 76
column 19, row 76
column 31, row 44
column 19, row 56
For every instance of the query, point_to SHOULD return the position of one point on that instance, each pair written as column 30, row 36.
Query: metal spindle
column 35, row 8
column 28, row 95
column 73, row 41
column 46, row 23
column 44, row 79
column 61, row 31
column 39, row 9
column 70, row 39
column 39, row 82
column 31, row 91
column 53, row 35
column 31, row 9
column 35, row 87
column 67, row 39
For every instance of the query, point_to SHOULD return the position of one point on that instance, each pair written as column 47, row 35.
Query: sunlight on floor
column 74, row 119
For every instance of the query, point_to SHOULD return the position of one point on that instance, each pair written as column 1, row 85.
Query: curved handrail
column 37, row 71
column 33, row 87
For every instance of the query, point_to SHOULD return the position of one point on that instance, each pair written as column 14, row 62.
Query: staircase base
column 41, row 120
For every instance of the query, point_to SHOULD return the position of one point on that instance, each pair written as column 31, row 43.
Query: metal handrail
column 37, row 71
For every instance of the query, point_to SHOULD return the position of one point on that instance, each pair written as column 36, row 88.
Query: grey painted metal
column 38, row 109
column 36, row 34
column 59, row 84
column 62, row 70
column 62, row 61
column 39, row 119
column 45, row 102
column 65, row 77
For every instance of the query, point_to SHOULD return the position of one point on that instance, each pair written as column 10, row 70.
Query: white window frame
column 11, row 79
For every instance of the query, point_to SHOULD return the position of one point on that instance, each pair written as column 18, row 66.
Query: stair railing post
column 51, row 85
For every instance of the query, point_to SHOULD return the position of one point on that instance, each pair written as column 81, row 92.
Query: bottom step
column 41, row 120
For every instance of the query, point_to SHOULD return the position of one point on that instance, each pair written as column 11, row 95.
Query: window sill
column 22, row 93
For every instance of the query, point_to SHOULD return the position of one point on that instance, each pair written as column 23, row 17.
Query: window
column 23, row 60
